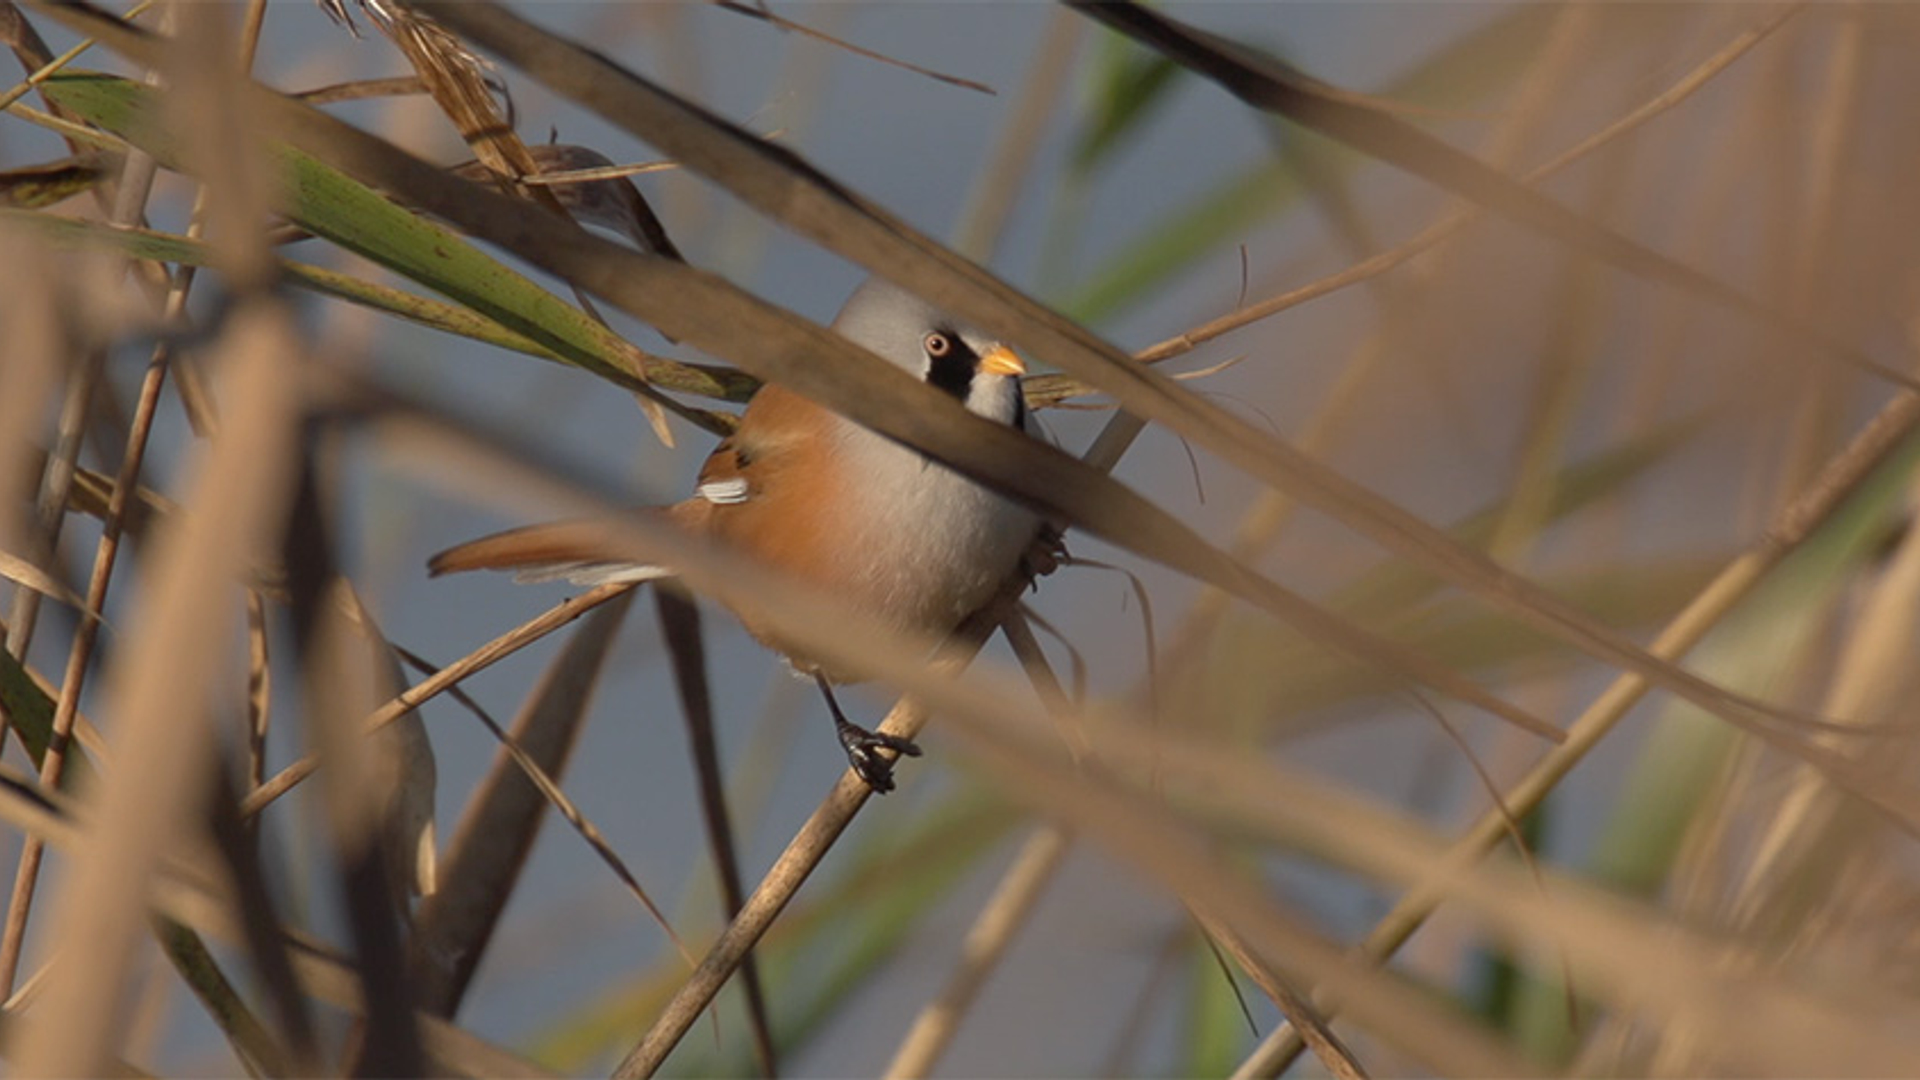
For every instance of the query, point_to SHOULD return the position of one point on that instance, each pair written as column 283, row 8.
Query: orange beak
column 1001, row 360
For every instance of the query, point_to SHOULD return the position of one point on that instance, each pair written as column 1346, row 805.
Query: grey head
column 936, row 348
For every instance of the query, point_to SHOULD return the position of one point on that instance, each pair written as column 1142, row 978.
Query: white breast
column 937, row 544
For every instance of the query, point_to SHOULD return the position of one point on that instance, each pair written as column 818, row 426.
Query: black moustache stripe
column 954, row 371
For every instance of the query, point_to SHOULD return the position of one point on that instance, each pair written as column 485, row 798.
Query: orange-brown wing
column 774, row 489
column 770, row 488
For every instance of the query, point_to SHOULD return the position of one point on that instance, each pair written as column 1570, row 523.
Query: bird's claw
column 863, row 753
column 1045, row 554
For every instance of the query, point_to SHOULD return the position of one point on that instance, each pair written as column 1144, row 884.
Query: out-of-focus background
column 1619, row 440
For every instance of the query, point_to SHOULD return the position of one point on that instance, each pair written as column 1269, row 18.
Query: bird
column 898, row 536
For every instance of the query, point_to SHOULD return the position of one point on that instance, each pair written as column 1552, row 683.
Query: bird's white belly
column 947, row 542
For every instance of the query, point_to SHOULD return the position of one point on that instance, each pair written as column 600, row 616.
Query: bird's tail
column 579, row 551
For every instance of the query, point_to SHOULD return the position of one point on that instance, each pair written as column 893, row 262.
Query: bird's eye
column 937, row 344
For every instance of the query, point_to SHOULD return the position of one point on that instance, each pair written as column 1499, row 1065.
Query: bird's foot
column 863, row 753
column 1045, row 554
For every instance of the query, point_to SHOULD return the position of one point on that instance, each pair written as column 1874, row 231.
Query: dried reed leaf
column 679, row 620
column 1627, row 952
column 489, row 846
column 33, row 367
column 406, row 775
column 1884, row 450
column 26, row 575
column 987, row 941
column 349, row 214
column 37, row 186
column 766, row 14
column 611, row 202
column 192, row 894
column 706, row 380
column 1269, row 85
column 159, row 696
column 456, row 78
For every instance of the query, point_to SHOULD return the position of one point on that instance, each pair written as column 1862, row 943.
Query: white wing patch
column 724, row 492
column 590, row 573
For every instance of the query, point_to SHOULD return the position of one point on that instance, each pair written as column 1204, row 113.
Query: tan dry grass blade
column 1375, row 266
column 679, row 620
column 1625, row 952
column 401, row 774
column 340, row 676
column 192, row 893
column 159, row 695
column 490, row 845
column 1813, row 829
column 1272, row 87
column 413, row 697
column 1871, row 448
column 766, row 14
column 610, row 201
column 30, row 367
column 27, row 576
column 1001, row 917
column 454, row 77
column 782, row 185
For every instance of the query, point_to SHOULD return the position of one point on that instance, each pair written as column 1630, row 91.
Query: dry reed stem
column 1272, row 87
column 1273, row 509
column 454, row 78
column 1332, row 1054
column 1017, row 629
column 43, row 71
column 679, row 621
column 555, row 796
column 767, row 14
column 990, row 202
column 1134, row 827
column 804, row 852
column 413, row 697
column 1830, row 135
column 259, row 689
column 1433, row 235
column 1796, row 521
column 489, row 848
column 939, row 1022
column 1013, row 902
column 33, row 365
column 189, row 890
column 1003, row 915
column 770, row 897
column 1668, row 972
column 160, row 697
column 120, row 498
column 128, row 207
column 1808, row 830
column 80, row 657
column 343, row 670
